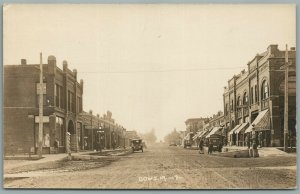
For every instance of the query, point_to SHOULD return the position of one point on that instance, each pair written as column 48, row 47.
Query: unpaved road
column 164, row 167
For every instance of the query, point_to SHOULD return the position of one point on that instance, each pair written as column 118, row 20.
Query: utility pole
column 40, row 138
column 286, row 100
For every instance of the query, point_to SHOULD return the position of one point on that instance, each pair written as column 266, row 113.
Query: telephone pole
column 286, row 100
column 40, row 137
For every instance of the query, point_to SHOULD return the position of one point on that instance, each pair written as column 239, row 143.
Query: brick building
column 193, row 125
column 254, row 99
column 217, row 120
column 101, row 130
column 62, row 105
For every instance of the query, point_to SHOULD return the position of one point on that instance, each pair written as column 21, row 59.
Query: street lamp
column 100, row 132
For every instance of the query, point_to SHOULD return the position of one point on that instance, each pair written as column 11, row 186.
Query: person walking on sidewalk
column 260, row 140
column 210, row 147
column 201, row 146
column 247, row 140
column 56, row 145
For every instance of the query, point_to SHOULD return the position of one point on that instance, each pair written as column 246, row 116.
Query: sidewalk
column 264, row 151
column 15, row 161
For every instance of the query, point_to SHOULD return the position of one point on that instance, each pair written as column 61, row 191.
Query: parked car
column 136, row 145
column 173, row 144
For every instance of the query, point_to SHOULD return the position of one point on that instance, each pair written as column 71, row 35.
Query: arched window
column 245, row 99
column 264, row 90
column 239, row 101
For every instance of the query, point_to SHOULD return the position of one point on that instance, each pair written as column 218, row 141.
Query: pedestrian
column 201, row 146
column 260, row 139
column 220, row 146
column 247, row 140
column 210, row 147
column 56, row 145
column 85, row 143
column 254, row 149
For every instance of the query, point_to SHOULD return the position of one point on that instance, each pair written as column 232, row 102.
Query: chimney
column 75, row 73
column 273, row 48
column 90, row 112
column 243, row 71
column 65, row 65
column 51, row 60
column 23, row 62
column 81, row 82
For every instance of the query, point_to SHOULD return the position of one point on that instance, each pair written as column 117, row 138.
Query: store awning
column 197, row 135
column 234, row 129
column 242, row 128
column 204, row 133
column 263, row 124
column 257, row 120
column 213, row 131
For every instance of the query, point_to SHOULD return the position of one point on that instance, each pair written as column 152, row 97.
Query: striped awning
column 257, row 120
column 197, row 135
column 242, row 128
column 263, row 124
column 205, row 133
column 234, row 129
column 213, row 131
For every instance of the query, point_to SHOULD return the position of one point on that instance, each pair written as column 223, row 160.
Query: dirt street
column 168, row 167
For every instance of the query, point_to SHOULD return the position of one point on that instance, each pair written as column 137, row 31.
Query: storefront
column 240, row 134
column 259, row 130
column 232, row 136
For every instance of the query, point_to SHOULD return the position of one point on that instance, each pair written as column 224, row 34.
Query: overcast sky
column 152, row 66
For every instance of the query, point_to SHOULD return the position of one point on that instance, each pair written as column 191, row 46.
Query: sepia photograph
column 149, row 96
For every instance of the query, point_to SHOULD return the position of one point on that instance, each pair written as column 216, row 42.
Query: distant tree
column 149, row 137
column 173, row 137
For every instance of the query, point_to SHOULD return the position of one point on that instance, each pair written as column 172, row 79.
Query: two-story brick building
column 254, row 99
column 62, row 95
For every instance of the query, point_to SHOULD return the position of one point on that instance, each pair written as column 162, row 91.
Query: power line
column 164, row 70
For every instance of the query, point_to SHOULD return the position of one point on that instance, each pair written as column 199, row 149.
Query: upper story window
column 231, row 105
column 256, row 94
column 264, row 90
column 251, row 96
column 71, row 104
column 79, row 104
column 239, row 101
column 245, row 99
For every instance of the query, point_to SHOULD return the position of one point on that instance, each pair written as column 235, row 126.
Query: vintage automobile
column 216, row 141
column 136, row 145
column 188, row 140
